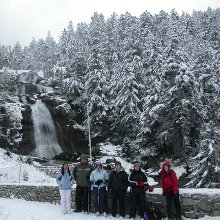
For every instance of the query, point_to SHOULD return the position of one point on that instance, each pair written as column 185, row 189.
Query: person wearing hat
column 118, row 184
column 137, row 180
column 170, row 188
column 99, row 178
column 81, row 173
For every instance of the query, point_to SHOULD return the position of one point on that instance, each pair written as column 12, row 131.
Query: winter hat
column 166, row 163
column 117, row 162
column 136, row 163
column 83, row 157
column 98, row 163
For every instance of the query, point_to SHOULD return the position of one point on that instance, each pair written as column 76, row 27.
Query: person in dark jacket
column 170, row 190
column 81, row 174
column 118, row 184
column 137, row 180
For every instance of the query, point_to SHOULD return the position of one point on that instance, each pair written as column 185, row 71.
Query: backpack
column 153, row 213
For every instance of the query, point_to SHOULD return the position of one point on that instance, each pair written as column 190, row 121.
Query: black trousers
column 82, row 198
column 173, row 199
column 118, row 196
column 137, row 200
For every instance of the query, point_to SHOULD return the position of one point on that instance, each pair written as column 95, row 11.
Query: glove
column 148, row 187
column 98, row 182
column 140, row 183
column 151, row 188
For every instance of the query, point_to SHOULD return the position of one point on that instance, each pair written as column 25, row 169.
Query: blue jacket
column 64, row 181
column 99, row 174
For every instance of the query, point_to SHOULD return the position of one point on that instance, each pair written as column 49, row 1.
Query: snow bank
column 14, row 171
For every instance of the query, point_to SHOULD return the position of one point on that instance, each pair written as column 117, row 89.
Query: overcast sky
column 21, row 20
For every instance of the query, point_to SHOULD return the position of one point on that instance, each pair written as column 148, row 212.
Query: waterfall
column 23, row 90
column 44, row 132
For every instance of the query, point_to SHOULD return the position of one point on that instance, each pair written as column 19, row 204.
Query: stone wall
column 195, row 205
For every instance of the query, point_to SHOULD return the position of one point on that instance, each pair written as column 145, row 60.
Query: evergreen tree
column 96, row 89
column 4, row 57
column 16, row 57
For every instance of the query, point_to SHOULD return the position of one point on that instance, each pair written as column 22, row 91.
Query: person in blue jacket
column 99, row 178
column 65, row 180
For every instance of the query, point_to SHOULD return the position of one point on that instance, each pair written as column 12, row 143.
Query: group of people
column 116, row 183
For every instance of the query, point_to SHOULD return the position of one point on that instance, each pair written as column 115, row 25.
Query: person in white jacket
column 98, row 178
column 65, row 181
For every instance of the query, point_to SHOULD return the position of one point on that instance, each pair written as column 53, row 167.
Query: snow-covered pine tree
column 95, row 92
column 16, row 57
column 4, row 56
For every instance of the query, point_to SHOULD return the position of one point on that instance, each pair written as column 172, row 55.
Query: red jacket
column 169, row 180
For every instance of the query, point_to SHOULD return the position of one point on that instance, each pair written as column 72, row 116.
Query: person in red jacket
column 170, row 190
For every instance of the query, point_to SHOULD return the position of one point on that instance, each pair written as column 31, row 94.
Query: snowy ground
column 13, row 170
column 15, row 209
